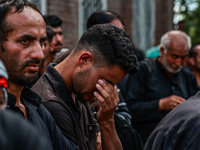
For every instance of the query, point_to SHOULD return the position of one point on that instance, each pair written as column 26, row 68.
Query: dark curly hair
column 110, row 45
column 5, row 7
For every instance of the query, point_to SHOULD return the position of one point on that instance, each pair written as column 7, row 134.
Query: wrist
column 160, row 107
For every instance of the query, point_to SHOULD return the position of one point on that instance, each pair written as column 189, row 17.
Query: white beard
column 168, row 67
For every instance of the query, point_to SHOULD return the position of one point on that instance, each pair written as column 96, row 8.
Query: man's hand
column 170, row 102
column 108, row 98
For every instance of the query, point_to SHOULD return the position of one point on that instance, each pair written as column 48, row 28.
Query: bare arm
column 108, row 98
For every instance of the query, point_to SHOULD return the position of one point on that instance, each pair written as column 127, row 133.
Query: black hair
column 53, row 20
column 102, row 17
column 192, row 52
column 5, row 7
column 50, row 33
column 110, row 45
column 140, row 54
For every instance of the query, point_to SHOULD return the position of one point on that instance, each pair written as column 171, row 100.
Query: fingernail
column 95, row 93
column 100, row 81
column 97, row 85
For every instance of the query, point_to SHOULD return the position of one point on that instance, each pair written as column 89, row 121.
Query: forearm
column 110, row 139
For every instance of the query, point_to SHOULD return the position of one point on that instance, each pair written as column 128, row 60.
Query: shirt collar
column 27, row 94
column 58, row 83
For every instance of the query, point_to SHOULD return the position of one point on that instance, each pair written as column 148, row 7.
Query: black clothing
column 179, row 130
column 40, row 118
column 18, row 134
column 76, row 121
column 129, row 138
column 143, row 91
column 122, row 110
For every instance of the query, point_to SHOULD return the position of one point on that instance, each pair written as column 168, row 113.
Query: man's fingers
column 108, row 87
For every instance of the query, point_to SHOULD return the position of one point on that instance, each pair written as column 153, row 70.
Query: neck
column 16, row 90
column 65, row 69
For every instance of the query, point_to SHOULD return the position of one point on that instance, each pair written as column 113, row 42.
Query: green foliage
column 191, row 18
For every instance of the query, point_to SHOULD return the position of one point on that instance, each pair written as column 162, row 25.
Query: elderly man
column 160, row 85
column 22, row 36
column 102, row 57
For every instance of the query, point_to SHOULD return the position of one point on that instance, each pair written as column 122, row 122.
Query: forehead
column 57, row 29
column 117, row 23
column 26, row 20
column 178, row 47
column 197, row 48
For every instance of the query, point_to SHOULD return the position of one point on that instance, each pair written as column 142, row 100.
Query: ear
column 85, row 58
column 162, row 51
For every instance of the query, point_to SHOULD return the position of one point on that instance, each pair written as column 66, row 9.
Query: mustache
column 37, row 62
column 58, row 44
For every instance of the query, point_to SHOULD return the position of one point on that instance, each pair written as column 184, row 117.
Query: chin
column 172, row 71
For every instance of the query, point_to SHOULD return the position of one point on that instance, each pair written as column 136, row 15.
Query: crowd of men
column 97, row 96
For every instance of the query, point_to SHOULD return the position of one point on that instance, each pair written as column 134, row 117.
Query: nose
column 37, row 51
column 58, row 38
column 179, row 61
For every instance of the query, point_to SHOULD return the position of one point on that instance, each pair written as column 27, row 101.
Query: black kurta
column 143, row 91
column 41, row 119
column 179, row 129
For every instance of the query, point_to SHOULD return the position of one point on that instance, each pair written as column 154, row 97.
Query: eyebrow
column 28, row 36
column 31, row 37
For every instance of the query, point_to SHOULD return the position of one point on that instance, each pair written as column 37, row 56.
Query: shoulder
column 180, row 124
column 186, row 70
column 13, row 126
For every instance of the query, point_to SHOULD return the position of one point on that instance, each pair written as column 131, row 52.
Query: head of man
column 48, row 47
column 174, row 49
column 3, row 86
column 103, row 52
column 22, row 32
column 103, row 17
column 194, row 57
column 56, row 23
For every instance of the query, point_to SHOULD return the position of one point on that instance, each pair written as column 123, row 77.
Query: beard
column 15, row 69
column 17, row 76
column 169, row 67
column 80, row 81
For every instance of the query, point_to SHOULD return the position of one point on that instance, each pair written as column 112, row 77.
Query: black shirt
column 76, row 121
column 143, row 91
column 18, row 134
column 179, row 129
column 40, row 118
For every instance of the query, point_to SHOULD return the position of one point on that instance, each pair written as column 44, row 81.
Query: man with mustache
column 160, row 85
column 15, row 131
column 22, row 36
column 57, row 42
column 102, row 57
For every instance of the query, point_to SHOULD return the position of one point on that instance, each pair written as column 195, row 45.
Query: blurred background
column 145, row 20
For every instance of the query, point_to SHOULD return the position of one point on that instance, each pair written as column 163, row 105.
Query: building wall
column 68, row 11
column 164, row 18
column 124, row 9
